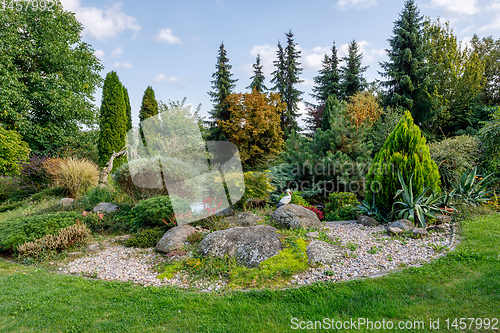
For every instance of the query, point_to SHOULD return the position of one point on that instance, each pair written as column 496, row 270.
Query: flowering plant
column 95, row 221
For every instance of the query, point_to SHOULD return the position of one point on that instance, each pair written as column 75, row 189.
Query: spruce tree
column 351, row 75
column 258, row 78
column 222, row 86
column 113, row 119
column 327, row 80
column 128, row 109
column 149, row 108
column 331, row 108
column 285, row 77
column 408, row 84
column 405, row 150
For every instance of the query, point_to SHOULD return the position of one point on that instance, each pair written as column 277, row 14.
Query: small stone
column 105, row 207
column 93, row 248
column 393, row 231
column 66, row 202
column 74, row 254
column 367, row 221
column 121, row 239
column 314, row 234
column 403, row 224
column 419, row 232
column 437, row 228
column 442, row 219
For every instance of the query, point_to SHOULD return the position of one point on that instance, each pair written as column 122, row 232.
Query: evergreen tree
column 327, row 80
column 258, row 78
column 285, row 77
column 149, row 108
column 408, row 84
column 332, row 106
column 351, row 75
column 222, row 85
column 128, row 108
column 404, row 150
column 113, row 119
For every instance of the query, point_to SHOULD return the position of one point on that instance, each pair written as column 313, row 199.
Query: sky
column 173, row 45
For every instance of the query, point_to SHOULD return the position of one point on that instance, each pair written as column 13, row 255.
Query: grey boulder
column 244, row 219
column 105, row 207
column 393, row 231
column 324, row 253
column 248, row 245
column 403, row 224
column 419, row 232
column 442, row 219
column 295, row 217
column 175, row 238
column 66, row 202
column 367, row 221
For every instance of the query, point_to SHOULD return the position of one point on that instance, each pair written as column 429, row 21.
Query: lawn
column 463, row 284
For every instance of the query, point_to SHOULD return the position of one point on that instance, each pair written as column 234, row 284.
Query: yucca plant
column 415, row 208
column 369, row 208
column 472, row 192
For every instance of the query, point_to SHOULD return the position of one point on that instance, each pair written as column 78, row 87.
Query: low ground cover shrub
column 10, row 206
column 74, row 235
column 156, row 212
column 146, row 238
column 51, row 192
column 9, row 188
column 341, row 206
column 20, row 230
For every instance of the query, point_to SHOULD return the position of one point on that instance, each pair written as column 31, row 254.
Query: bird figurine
column 286, row 199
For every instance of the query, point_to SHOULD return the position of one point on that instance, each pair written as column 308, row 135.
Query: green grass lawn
column 464, row 284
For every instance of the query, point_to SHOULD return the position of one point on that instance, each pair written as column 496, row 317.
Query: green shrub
column 146, row 238
column 490, row 143
column 119, row 220
column 12, row 206
column 341, row 206
column 383, row 127
column 156, row 212
column 404, row 150
column 96, row 195
column 297, row 199
column 74, row 235
column 257, row 185
column 12, row 151
column 9, row 188
column 19, row 230
column 56, row 191
column 453, row 157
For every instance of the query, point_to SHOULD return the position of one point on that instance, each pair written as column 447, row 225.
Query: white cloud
column 356, row 4
column 164, row 78
column 126, row 65
column 99, row 54
column 492, row 8
column 313, row 59
column 166, row 36
column 116, row 52
column 462, row 7
column 267, row 56
column 101, row 23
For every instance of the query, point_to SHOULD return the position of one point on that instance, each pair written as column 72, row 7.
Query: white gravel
column 369, row 252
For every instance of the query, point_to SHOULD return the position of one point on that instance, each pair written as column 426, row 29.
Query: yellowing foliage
column 363, row 108
column 254, row 125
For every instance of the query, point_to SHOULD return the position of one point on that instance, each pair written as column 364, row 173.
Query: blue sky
column 172, row 45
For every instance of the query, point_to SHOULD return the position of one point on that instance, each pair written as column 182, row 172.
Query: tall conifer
column 351, row 75
column 258, row 77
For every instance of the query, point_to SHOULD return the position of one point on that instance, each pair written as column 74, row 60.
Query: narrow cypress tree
column 404, row 150
column 149, row 108
column 327, row 80
column 351, row 75
column 408, row 84
column 128, row 108
column 222, row 85
column 258, row 78
column 285, row 77
column 113, row 119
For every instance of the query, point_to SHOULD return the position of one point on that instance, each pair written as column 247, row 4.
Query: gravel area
column 369, row 252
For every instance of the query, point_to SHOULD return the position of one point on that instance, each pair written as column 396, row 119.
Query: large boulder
column 175, row 238
column 295, row 217
column 324, row 253
column 367, row 221
column 403, row 224
column 248, row 245
column 244, row 219
column 105, row 207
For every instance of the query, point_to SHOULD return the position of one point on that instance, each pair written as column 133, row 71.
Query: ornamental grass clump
column 77, row 175
column 405, row 150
